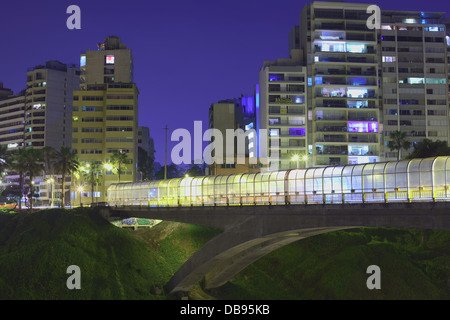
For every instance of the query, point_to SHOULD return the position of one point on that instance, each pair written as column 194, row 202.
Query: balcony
column 362, row 139
column 330, row 72
column 361, row 118
column 286, row 123
column 331, row 129
column 288, row 91
column 288, row 113
column 333, row 150
column 331, row 118
column 331, row 105
column 298, row 100
column 331, row 138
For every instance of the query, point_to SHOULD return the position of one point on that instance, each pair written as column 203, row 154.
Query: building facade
column 341, row 56
column 283, row 113
column 49, row 98
column 415, row 74
column 105, row 117
column 362, row 84
column 12, row 113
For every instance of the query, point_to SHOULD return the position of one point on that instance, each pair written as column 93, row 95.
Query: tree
column 33, row 165
column 428, row 148
column 66, row 163
column 398, row 141
column 195, row 171
column 172, row 172
column 119, row 160
column 91, row 175
column 145, row 164
column 18, row 164
column 5, row 159
column 49, row 167
column 49, row 160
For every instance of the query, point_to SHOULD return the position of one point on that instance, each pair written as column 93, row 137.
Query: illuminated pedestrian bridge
column 261, row 212
column 398, row 181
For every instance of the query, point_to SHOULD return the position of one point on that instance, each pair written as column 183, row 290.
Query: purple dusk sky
column 187, row 54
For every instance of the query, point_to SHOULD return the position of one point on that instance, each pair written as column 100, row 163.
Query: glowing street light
column 108, row 166
column 50, row 182
column 80, row 190
column 296, row 158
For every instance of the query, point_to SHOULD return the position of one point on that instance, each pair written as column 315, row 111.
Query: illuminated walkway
column 271, row 210
column 402, row 181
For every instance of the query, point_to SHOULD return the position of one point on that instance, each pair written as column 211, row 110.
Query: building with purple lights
column 283, row 111
column 362, row 84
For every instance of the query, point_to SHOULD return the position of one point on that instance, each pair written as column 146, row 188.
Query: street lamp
column 50, row 181
column 296, row 158
column 80, row 190
column 305, row 158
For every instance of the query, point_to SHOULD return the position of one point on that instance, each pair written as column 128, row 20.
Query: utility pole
column 165, row 156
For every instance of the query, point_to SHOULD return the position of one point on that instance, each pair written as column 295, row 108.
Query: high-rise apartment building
column 4, row 92
column 105, row 115
column 362, row 83
column 12, row 121
column 415, row 76
column 12, row 111
column 283, row 112
column 235, row 119
column 49, row 97
column 341, row 55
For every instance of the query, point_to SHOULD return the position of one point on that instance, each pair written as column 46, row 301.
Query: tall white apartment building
column 414, row 67
column 283, row 112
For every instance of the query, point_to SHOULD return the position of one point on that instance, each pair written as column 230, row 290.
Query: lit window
column 82, row 61
column 110, row 59
column 362, row 126
column 415, row 80
column 356, row 48
column 388, row 58
column 274, row 132
column 434, row 28
column 356, row 93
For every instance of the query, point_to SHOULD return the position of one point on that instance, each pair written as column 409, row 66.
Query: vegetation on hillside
column 36, row 249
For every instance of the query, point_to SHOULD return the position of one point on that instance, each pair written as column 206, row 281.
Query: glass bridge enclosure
column 396, row 181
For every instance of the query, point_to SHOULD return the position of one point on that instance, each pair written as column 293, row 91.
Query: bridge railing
column 395, row 181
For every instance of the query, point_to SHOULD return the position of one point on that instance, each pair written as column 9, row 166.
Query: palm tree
column 49, row 163
column 5, row 159
column 398, row 141
column 91, row 175
column 33, row 166
column 18, row 164
column 66, row 163
column 118, row 160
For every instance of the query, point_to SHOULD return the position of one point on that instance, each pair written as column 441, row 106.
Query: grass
column 36, row 249
column 334, row 266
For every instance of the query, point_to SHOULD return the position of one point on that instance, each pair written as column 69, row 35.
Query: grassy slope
column 36, row 249
column 333, row 266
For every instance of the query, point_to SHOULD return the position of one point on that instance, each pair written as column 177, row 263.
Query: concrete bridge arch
column 250, row 232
